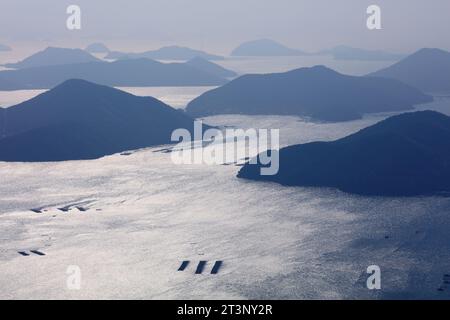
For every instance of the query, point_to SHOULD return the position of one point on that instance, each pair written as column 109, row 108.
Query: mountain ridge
column 318, row 92
column 428, row 69
column 165, row 53
column 54, row 56
column 135, row 72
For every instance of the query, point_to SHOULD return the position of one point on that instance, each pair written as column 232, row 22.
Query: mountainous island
column 81, row 120
column 405, row 155
column 318, row 93
column 54, row 56
column 175, row 53
column 427, row 69
column 126, row 73
column 264, row 48
column 211, row 68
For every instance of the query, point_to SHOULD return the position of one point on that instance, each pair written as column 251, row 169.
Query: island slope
column 211, row 68
column 427, row 69
column 405, row 155
column 81, row 120
column 318, row 93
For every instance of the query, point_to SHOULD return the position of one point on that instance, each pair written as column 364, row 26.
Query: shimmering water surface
column 128, row 221
column 144, row 215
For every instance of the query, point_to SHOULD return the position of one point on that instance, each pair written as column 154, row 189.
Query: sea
column 126, row 222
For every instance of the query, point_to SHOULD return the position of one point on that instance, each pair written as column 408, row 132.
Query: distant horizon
column 220, row 27
column 24, row 49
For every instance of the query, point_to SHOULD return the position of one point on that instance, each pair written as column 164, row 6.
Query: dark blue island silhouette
column 405, row 155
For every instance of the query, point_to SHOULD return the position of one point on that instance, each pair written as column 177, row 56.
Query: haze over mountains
column 264, row 48
column 97, row 47
column 318, row 93
column 350, row 53
column 4, row 47
column 405, row 155
column 54, row 56
column 176, row 53
column 271, row 48
column 131, row 73
column 82, row 120
column 211, row 68
column 427, row 69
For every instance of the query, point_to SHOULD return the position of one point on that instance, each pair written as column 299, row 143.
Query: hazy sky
column 219, row 25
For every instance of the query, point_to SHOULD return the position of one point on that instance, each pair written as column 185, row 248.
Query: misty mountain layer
column 54, row 56
column 131, row 73
column 165, row 53
column 264, row 48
